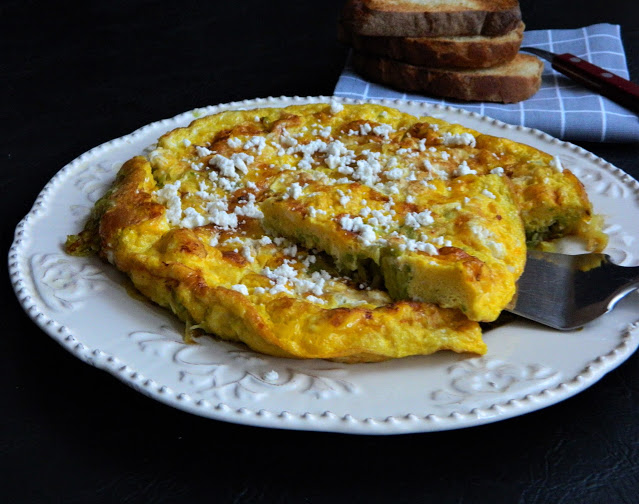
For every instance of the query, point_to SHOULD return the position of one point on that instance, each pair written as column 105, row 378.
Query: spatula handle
column 618, row 89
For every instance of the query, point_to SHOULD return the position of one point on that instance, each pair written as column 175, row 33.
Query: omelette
column 355, row 233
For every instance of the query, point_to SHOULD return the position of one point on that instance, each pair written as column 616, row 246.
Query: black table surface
column 78, row 74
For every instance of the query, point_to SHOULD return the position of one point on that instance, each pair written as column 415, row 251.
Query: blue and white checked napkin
column 561, row 107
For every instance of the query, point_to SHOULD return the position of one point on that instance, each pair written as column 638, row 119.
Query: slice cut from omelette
column 246, row 222
column 458, row 243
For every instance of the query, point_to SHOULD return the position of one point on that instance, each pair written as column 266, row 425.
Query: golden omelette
column 348, row 232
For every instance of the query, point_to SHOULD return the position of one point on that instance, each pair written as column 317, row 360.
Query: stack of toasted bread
column 460, row 49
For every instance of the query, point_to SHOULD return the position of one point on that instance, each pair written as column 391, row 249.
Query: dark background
column 78, row 74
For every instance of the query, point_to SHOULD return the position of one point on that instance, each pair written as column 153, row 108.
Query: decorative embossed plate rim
column 82, row 304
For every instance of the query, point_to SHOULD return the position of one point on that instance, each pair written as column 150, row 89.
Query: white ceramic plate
column 84, row 305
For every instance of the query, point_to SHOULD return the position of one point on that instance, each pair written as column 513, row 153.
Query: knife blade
column 604, row 82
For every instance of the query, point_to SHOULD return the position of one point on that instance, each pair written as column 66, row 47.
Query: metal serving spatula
column 567, row 291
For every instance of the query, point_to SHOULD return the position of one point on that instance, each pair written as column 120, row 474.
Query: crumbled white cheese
column 392, row 188
column 169, row 197
column 286, row 140
column 428, row 185
column 556, row 164
column 314, row 212
column 285, row 275
column 280, row 277
column 228, row 167
column 368, row 169
column 241, row 288
column 324, row 132
column 226, row 184
column 497, row 171
column 486, row 237
column 308, row 150
column 378, row 218
column 249, row 209
column 293, row 191
column 241, row 160
column 308, row 260
column 234, row 142
column 440, row 241
column 450, row 139
column 247, row 253
column 428, row 165
column 391, row 163
column 415, row 220
column 394, row 174
column 337, row 155
column 221, row 218
column 365, row 129
column 257, row 142
column 202, row 151
column 356, row 225
column 314, row 299
column 383, row 130
column 416, row 245
column 290, row 251
column 464, row 169
column 489, row 194
column 336, row 107
column 192, row 219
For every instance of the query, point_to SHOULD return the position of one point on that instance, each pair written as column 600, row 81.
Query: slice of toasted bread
column 511, row 82
column 431, row 18
column 440, row 52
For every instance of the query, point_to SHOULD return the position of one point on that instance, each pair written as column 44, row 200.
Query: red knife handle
column 618, row 89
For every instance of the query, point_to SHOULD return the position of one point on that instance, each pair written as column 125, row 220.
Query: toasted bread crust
column 406, row 19
column 515, row 81
column 440, row 52
column 440, row 5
